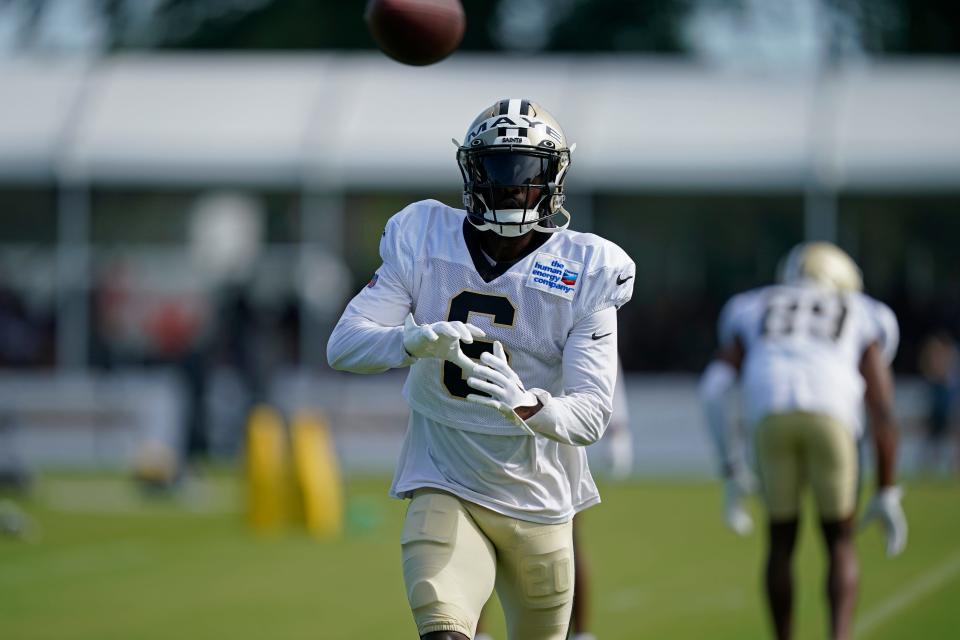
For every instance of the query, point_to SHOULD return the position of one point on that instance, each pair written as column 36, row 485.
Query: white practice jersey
column 554, row 311
column 803, row 349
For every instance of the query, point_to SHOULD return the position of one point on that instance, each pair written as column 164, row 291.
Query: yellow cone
column 268, row 495
column 317, row 472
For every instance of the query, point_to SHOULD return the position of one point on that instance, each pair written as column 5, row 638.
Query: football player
column 507, row 320
column 809, row 351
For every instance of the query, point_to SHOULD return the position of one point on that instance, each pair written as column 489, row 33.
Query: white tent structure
column 323, row 124
column 364, row 121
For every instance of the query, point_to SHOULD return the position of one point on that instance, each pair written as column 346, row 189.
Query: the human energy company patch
column 555, row 275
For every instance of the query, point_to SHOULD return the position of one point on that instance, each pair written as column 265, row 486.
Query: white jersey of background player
column 512, row 350
column 804, row 344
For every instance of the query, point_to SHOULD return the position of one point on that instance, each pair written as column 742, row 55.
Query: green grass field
column 110, row 565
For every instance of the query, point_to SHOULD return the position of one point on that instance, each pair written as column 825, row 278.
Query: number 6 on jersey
column 462, row 305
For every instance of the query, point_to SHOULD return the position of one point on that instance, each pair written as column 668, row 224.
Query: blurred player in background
column 809, row 351
column 939, row 363
column 618, row 440
column 508, row 322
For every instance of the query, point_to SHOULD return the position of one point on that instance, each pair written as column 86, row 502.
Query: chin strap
column 517, row 230
column 557, row 227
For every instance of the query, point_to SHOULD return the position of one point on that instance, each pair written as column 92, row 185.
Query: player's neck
column 502, row 249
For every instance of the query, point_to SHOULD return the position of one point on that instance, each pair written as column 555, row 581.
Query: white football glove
column 440, row 340
column 495, row 376
column 885, row 507
column 736, row 488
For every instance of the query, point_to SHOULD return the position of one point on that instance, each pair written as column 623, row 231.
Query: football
column 416, row 32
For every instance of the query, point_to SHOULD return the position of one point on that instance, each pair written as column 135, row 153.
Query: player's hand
column 440, row 340
column 736, row 487
column 885, row 508
column 507, row 393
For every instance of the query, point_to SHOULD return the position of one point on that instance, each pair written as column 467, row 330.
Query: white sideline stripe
column 930, row 581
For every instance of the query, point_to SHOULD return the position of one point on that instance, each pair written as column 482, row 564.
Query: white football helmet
column 821, row 263
column 514, row 160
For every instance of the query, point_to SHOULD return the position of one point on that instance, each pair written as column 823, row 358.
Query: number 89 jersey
column 803, row 348
column 530, row 305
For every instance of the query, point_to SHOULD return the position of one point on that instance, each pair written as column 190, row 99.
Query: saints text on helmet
column 505, row 121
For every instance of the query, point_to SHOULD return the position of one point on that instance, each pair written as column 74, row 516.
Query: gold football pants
column 455, row 552
column 798, row 449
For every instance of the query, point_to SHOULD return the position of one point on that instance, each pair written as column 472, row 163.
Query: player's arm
column 878, row 397
column 580, row 416
column 368, row 337
column 589, row 364
column 715, row 383
column 377, row 331
column 717, row 380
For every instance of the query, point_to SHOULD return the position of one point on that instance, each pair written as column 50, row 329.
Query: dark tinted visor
column 513, row 169
column 523, row 197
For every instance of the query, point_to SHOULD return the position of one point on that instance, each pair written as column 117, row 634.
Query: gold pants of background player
column 797, row 449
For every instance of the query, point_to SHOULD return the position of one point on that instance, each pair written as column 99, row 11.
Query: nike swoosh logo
column 603, row 335
column 621, row 279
